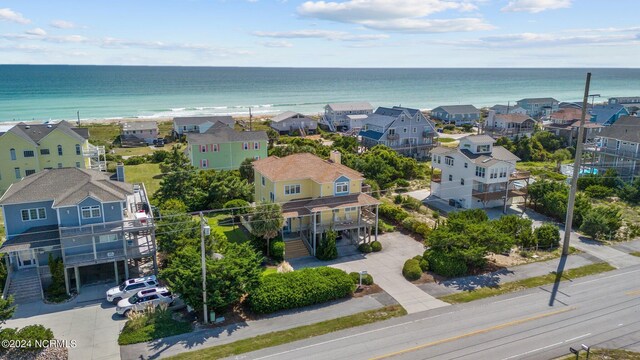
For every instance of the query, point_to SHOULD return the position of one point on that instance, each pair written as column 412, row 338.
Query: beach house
column 508, row 125
column 616, row 147
column 404, row 130
column 26, row 149
column 476, row 174
column 508, row 109
column 538, row 107
column 138, row 133
column 344, row 116
column 290, row 122
column 606, row 115
column 631, row 103
column 566, row 122
column 456, row 114
column 223, row 148
column 198, row 124
column 317, row 196
column 96, row 225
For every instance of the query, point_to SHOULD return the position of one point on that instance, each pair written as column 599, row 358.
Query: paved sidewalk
column 386, row 269
column 202, row 339
column 505, row 275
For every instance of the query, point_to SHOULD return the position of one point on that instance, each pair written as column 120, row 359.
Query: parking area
column 88, row 319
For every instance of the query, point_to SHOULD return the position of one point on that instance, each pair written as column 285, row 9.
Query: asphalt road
column 602, row 310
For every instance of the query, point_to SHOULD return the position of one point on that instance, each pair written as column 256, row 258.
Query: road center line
column 532, row 351
column 477, row 332
column 354, row 335
column 577, row 337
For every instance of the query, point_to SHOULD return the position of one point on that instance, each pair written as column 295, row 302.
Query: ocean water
column 44, row 92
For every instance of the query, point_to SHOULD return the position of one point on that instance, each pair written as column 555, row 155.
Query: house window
column 404, row 130
column 493, row 174
column 342, row 187
column 271, row 196
column 77, row 164
column 28, row 153
column 33, row 214
column 203, row 148
column 262, row 180
column 256, row 146
column 245, row 146
column 461, row 181
column 438, row 160
column 256, row 157
column 44, row 151
column 13, row 154
column 29, row 172
column 89, row 212
column 415, row 130
column 107, row 238
column 483, row 148
column 392, row 131
column 204, row 163
column 448, row 160
column 59, row 150
column 17, row 170
column 291, row 189
column 78, row 152
column 59, row 165
column 480, row 171
column 450, row 177
column 503, row 172
column 466, row 165
column 216, row 147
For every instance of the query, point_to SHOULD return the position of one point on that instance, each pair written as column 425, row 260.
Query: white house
column 199, row 124
column 508, row 109
column 290, row 121
column 477, row 174
column 509, row 125
column 336, row 115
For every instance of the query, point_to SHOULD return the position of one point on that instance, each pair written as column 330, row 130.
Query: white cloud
column 535, row 6
column 320, row 34
column 62, row 24
column 397, row 15
column 7, row 14
column 159, row 45
column 277, row 44
column 36, row 32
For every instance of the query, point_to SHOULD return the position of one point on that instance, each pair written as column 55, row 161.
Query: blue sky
column 338, row 33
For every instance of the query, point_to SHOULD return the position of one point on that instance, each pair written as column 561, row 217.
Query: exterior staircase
column 25, row 286
column 295, row 249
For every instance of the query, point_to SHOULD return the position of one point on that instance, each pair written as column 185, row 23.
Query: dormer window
column 483, row 148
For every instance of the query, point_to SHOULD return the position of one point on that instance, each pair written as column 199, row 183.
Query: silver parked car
column 144, row 299
column 131, row 287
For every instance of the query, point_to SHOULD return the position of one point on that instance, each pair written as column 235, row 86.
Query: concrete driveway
column 88, row 319
column 386, row 269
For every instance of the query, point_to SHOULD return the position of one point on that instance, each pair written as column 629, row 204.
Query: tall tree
column 178, row 178
column 246, row 170
column 175, row 227
column 267, row 221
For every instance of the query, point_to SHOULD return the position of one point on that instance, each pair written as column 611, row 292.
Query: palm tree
column 267, row 221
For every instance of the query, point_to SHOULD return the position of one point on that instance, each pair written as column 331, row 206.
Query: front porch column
column 115, row 268
column 66, row 280
column 126, row 269
column 376, row 238
column 95, row 253
column 314, row 233
column 76, row 271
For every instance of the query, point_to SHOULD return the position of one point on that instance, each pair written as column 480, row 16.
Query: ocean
column 54, row 92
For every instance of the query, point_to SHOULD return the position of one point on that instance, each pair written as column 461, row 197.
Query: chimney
column 335, row 157
column 120, row 172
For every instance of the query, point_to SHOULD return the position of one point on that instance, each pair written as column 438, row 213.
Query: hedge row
column 300, row 288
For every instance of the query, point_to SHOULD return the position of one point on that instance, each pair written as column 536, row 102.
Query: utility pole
column 250, row 120
column 78, row 113
column 576, row 171
column 204, row 269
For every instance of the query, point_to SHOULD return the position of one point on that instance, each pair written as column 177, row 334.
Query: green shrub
column 412, row 203
column 423, row 230
column 402, row 184
column 410, row 224
column 449, row 127
column 276, row 250
column 327, row 249
column 397, row 199
column 445, row 264
column 393, row 213
column 299, row 288
column 236, row 204
column 598, row 191
column 365, row 248
column 366, row 279
column 547, row 236
column 383, row 227
column 135, row 160
column 376, row 246
column 417, row 257
column 525, row 254
column 411, row 270
column 424, row 264
column 32, row 336
column 56, row 292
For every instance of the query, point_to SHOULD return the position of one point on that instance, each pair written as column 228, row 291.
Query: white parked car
column 131, row 287
column 144, row 299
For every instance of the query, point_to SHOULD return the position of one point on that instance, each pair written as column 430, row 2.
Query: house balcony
column 486, row 196
column 427, row 134
column 592, row 147
column 134, row 247
column 519, row 175
column 393, row 136
column 126, row 226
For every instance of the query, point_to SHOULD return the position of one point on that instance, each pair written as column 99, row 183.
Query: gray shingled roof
column 36, row 132
column 479, row 138
column 221, row 133
column 140, row 125
column 498, row 154
column 197, row 120
column 458, row 109
column 36, row 237
column 66, row 186
column 626, row 128
column 287, row 115
column 351, row 106
column 538, row 100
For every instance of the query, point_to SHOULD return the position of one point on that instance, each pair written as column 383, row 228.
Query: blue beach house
column 606, row 115
column 96, row 225
column 456, row 114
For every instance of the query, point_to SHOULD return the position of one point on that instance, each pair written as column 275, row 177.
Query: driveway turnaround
column 88, row 320
column 386, row 269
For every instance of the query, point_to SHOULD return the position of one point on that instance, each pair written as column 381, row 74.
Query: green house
column 223, row 148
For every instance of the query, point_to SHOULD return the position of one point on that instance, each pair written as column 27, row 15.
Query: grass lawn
column 149, row 174
column 635, row 253
column 165, row 128
column 605, row 354
column 158, row 328
column 102, row 133
column 485, row 292
column 445, row 140
column 543, row 169
column 299, row 333
column 233, row 233
column 137, row 151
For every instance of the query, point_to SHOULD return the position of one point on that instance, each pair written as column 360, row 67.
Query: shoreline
column 105, row 121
